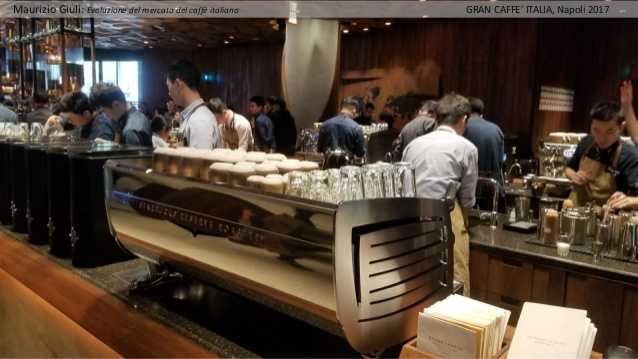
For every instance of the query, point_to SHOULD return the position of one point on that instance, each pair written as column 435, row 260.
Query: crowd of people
column 106, row 115
column 448, row 141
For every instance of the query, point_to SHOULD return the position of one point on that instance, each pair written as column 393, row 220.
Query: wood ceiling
column 176, row 33
column 187, row 33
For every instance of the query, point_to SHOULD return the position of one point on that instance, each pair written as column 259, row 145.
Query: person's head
column 368, row 110
column 182, row 81
column 160, row 127
column 453, row 110
column 220, row 110
column 607, row 123
column 109, row 99
column 477, row 105
column 256, row 106
column 143, row 107
column 272, row 104
column 76, row 107
column 40, row 99
column 350, row 106
column 170, row 105
column 428, row 109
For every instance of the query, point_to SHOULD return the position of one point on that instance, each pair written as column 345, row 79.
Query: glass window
column 127, row 76
column 109, row 71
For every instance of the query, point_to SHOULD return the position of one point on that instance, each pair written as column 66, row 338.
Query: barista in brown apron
column 602, row 180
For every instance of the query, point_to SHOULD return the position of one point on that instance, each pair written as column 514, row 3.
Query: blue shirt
column 100, row 127
column 6, row 115
column 264, row 132
column 489, row 140
column 343, row 133
column 137, row 129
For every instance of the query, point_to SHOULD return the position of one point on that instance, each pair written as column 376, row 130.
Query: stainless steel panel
column 369, row 266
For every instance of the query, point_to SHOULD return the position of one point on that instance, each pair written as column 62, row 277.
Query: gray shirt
column 137, row 130
column 440, row 158
column 6, row 115
column 418, row 127
column 40, row 115
column 200, row 127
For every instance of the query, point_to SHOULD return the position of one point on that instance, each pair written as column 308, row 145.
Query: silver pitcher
column 522, row 206
column 615, row 229
column 628, row 243
column 576, row 223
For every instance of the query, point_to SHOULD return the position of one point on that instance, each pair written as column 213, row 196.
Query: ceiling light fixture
column 145, row 42
column 345, row 31
column 226, row 42
column 231, row 37
column 388, row 23
column 365, row 29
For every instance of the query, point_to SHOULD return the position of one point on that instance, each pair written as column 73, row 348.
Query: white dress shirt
column 237, row 134
column 200, row 127
column 440, row 158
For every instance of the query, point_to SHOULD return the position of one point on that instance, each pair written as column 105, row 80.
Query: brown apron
column 461, row 248
column 229, row 135
column 602, row 182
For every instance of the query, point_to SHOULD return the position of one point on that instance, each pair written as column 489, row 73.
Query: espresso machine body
column 363, row 269
column 37, row 193
column 90, row 239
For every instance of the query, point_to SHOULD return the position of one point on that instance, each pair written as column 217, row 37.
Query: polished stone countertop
column 218, row 319
column 516, row 245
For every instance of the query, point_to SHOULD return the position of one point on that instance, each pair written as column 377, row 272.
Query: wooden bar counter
column 49, row 309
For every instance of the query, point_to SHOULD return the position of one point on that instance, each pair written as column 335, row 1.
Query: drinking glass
column 23, row 131
column 387, row 178
column 351, row 183
column 319, row 190
column 36, row 132
column 373, row 181
column 404, row 179
column 333, row 185
column 297, row 184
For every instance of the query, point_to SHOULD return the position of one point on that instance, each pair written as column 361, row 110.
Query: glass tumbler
column 319, row 190
column 333, row 185
column 404, row 179
column 387, row 177
column 372, row 181
column 297, row 184
column 351, row 183
column 37, row 131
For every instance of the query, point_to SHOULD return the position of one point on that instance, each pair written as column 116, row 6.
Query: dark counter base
column 507, row 271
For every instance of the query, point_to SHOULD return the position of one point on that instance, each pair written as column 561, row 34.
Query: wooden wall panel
column 493, row 60
column 548, row 286
column 628, row 335
column 603, row 301
column 243, row 70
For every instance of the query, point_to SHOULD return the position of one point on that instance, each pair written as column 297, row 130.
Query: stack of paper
column 547, row 331
column 460, row 327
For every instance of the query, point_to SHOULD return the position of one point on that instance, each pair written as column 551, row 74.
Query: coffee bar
column 403, row 187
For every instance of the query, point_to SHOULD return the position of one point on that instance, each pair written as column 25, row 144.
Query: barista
column 602, row 165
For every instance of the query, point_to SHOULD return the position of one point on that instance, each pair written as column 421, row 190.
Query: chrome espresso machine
column 364, row 267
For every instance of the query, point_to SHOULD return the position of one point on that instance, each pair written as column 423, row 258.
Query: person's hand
column 580, row 178
column 621, row 201
column 626, row 93
column 615, row 198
